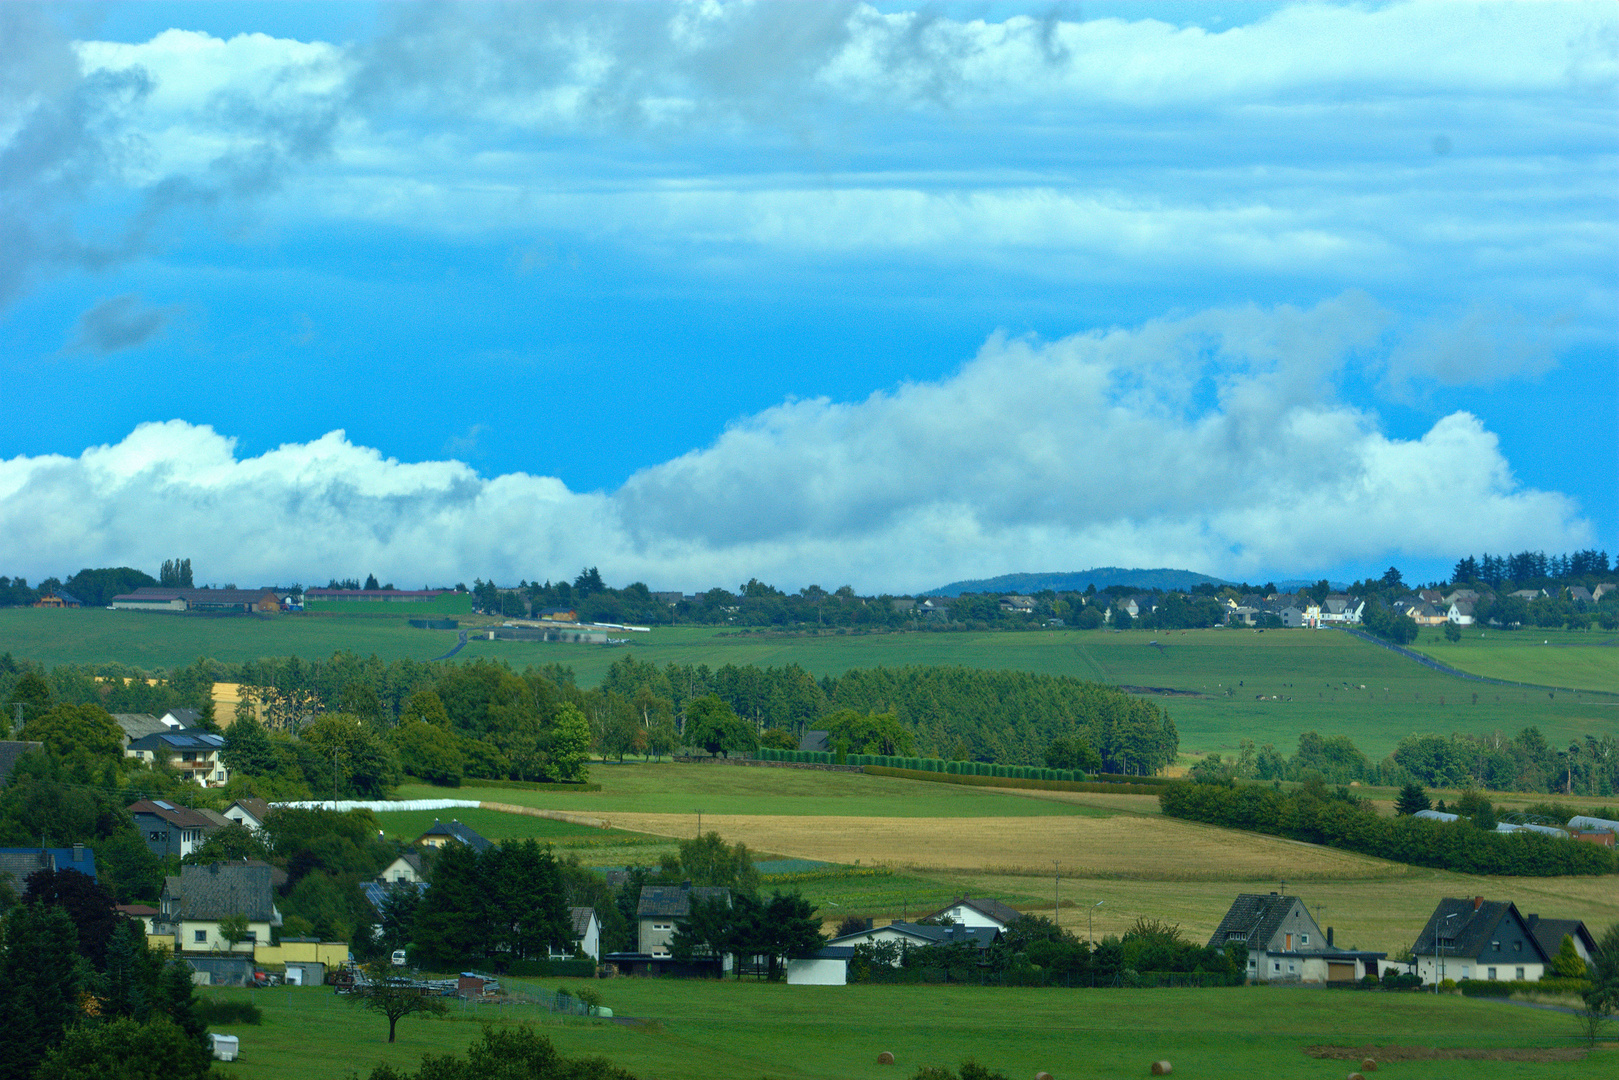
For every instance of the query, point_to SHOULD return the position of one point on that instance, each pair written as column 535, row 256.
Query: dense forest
column 502, row 719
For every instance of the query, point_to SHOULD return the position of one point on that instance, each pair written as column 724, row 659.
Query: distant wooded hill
column 1079, row 581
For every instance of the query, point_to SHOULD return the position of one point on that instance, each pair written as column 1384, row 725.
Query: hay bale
column 1356, row 1076
column 885, row 1058
column 1162, row 1068
column 1368, row 1066
column 1042, row 1076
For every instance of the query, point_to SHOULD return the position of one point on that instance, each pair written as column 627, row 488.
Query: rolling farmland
column 1233, row 684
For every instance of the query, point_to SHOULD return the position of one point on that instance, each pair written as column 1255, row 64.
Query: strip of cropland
column 897, row 847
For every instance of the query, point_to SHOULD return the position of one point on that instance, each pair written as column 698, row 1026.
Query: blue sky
column 817, row 293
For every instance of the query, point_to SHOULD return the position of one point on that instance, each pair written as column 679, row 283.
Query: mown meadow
column 692, row 1030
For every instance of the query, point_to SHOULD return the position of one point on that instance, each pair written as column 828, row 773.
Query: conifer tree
column 40, row 977
column 1412, row 800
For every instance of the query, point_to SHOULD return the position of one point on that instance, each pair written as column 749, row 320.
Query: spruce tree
column 40, row 978
column 1412, row 799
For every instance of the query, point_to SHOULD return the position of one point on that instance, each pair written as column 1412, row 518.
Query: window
column 1520, row 975
column 1496, row 945
column 1276, row 966
column 1290, row 967
column 1304, row 939
column 199, row 936
column 1492, row 974
column 1517, row 946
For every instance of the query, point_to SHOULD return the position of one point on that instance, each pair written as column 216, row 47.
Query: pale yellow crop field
column 1122, row 846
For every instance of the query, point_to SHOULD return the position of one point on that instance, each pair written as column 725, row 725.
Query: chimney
column 1329, row 937
column 1533, row 919
column 78, row 852
column 1478, row 902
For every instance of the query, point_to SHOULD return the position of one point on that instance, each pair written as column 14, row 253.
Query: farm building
column 152, row 598
column 61, row 598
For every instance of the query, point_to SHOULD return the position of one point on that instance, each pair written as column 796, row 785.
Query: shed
column 225, row 1047
column 827, row 967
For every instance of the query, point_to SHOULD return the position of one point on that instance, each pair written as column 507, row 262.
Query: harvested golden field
column 1384, row 914
column 1120, row 846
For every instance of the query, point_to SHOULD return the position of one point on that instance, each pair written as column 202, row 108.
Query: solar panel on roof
column 160, row 802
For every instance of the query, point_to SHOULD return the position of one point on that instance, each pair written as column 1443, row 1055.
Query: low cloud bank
column 1214, row 441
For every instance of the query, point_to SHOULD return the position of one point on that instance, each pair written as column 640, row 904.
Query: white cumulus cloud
column 1214, row 441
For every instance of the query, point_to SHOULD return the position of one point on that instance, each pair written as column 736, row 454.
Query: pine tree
column 1412, row 800
column 177, row 999
column 40, row 977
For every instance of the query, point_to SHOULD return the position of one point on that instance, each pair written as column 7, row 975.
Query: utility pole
column 1056, row 908
column 1090, row 936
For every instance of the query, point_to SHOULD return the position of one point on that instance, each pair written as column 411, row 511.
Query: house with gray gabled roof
column 16, row 864
column 248, row 813
column 1477, row 939
column 1285, row 944
column 976, row 912
column 453, row 832
column 137, row 725
column 909, row 935
column 194, row 903
column 663, row 906
column 1549, row 933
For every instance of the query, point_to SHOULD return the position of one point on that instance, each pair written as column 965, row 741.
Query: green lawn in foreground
column 1307, row 679
column 666, row 788
column 708, row 1030
column 1544, row 657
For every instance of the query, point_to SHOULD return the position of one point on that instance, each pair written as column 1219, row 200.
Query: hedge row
column 925, row 765
column 530, row 785
column 1508, row 987
column 1012, row 781
column 1353, row 825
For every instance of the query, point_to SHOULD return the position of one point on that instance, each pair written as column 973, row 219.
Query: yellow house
column 201, row 897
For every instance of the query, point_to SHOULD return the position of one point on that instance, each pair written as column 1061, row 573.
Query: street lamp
column 1439, row 952
column 1090, row 938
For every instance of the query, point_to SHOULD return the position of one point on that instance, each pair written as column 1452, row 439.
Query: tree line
column 1338, row 818
column 1526, row 762
column 81, row 994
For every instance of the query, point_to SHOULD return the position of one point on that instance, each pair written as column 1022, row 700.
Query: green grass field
column 703, row 1030
column 1543, row 657
column 1268, row 686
